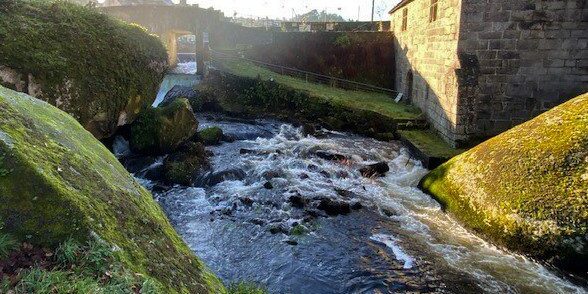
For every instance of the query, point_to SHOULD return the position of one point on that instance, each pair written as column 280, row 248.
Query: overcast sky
column 284, row 8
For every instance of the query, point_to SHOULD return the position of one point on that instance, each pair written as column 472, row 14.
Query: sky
column 279, row 9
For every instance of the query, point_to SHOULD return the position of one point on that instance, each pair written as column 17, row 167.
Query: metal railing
column 309, row 77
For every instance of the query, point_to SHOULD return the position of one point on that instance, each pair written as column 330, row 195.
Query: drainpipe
column 373, row 2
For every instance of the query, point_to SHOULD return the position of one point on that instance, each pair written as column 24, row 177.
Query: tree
column 314, row 15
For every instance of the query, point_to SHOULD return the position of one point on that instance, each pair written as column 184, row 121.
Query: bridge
column 169, row 22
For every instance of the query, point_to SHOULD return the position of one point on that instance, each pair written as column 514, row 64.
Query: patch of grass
column 246, row 288
column 430, row 143
column 377, row 102
column 7, row 245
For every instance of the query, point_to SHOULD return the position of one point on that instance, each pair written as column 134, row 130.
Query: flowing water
column 397, row 240
column 182, row 75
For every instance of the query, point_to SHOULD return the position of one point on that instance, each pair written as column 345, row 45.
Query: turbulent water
column 398, row 241
column 182, row 75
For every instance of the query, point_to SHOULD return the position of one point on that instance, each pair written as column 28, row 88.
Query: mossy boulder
column 211, row 136
column 57, row 182
column 526, row 189
column 163, row 129
column 182, row 166
column 99, row 70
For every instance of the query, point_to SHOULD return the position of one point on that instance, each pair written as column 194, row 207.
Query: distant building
column 332, row 26
column 477, row 68
column 136, row 2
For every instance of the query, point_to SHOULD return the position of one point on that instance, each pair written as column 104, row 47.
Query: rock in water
column 211, row 136
column 102, row 75
column 163, row 129
column 527, row 188
column 334, row 207
column 329, row 155
column 58, row 182
column 375, row 170
column 182, row 166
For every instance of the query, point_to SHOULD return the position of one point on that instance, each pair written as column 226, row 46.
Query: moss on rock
column 61, row 183
column 211, row 136
column 99, row 70
column 181, row 166
column 163, row 129
column 526, row 189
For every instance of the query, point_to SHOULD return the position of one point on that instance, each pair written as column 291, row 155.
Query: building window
column 404, row 19
column 433, row 10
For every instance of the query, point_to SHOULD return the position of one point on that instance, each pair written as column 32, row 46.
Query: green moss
column 527, row 188
column 65, row 184
column 298, row 230
column 100, row 70
column 430, row 143
column 180, row 167
column 163, row 129
column 211, row 136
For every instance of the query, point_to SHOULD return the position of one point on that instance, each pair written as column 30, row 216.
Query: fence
column 309, row 77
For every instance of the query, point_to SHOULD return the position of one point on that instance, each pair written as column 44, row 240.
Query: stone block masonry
column 484, row 66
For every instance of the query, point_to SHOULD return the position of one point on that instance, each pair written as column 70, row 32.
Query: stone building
column 477, row 68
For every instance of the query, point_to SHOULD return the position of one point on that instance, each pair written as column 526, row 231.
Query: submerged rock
column 330, row 156
column 334, row 207
column 103, row 75
column 526, row 188
column 212, row 178
column 298, row 201
column 375, row 170
column 268, row 185
column 58, row 182
column 162, row 130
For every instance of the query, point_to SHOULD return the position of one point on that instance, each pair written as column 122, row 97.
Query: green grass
column 7, row 245
column 90, row 268
column 430, row 143
column 377, row 102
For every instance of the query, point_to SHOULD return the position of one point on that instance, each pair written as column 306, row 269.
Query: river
column 263, row 222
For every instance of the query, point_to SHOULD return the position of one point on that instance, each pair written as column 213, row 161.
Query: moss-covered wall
column 58, row 182
column 366, row 57
column 99, row 70
column 526, row 189
column 258, row 98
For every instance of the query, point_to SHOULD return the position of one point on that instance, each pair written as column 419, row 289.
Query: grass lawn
column 430, row 143
column 377, row 102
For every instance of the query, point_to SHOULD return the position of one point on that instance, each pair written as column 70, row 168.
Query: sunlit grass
column 377, row 102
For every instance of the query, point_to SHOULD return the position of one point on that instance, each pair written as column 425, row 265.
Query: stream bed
column 293, row 212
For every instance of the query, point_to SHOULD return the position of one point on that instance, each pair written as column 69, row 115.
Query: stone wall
column 427, row 52
column 523, row 57
column 485, row 66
